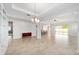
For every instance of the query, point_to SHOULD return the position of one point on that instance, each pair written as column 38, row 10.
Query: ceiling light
column 32, row 20
column 35, row 19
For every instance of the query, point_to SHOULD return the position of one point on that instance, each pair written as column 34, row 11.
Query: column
column 53, row 31
column 38, row 31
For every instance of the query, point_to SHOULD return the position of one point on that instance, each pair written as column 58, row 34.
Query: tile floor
column 44, row 46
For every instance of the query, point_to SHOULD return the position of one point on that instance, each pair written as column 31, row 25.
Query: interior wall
column 73, row 35
column 20, row 27
column 78, row 35
column 3, row 30
column 4, row 35
column 73, row 29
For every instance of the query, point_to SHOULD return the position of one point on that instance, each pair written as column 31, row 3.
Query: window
column 61, row 34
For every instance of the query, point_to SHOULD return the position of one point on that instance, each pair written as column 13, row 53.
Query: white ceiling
column 36, row 8
column 44, row 11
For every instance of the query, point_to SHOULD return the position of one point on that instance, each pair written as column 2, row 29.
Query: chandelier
column 35, row 18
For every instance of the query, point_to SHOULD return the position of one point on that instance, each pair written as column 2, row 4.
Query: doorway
column 10, row 30
column 46, row 31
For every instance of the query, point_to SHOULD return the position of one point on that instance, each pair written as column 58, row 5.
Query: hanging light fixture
column 35, row 18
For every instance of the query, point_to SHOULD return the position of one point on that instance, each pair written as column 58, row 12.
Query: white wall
column 3, row 30
column 73, row 35
column 20, row 27
column 4, row 35
column 73, row 29
column 78, row 35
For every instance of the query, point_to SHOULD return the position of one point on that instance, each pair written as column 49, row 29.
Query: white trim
column 20, row 9
column 9, row 16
